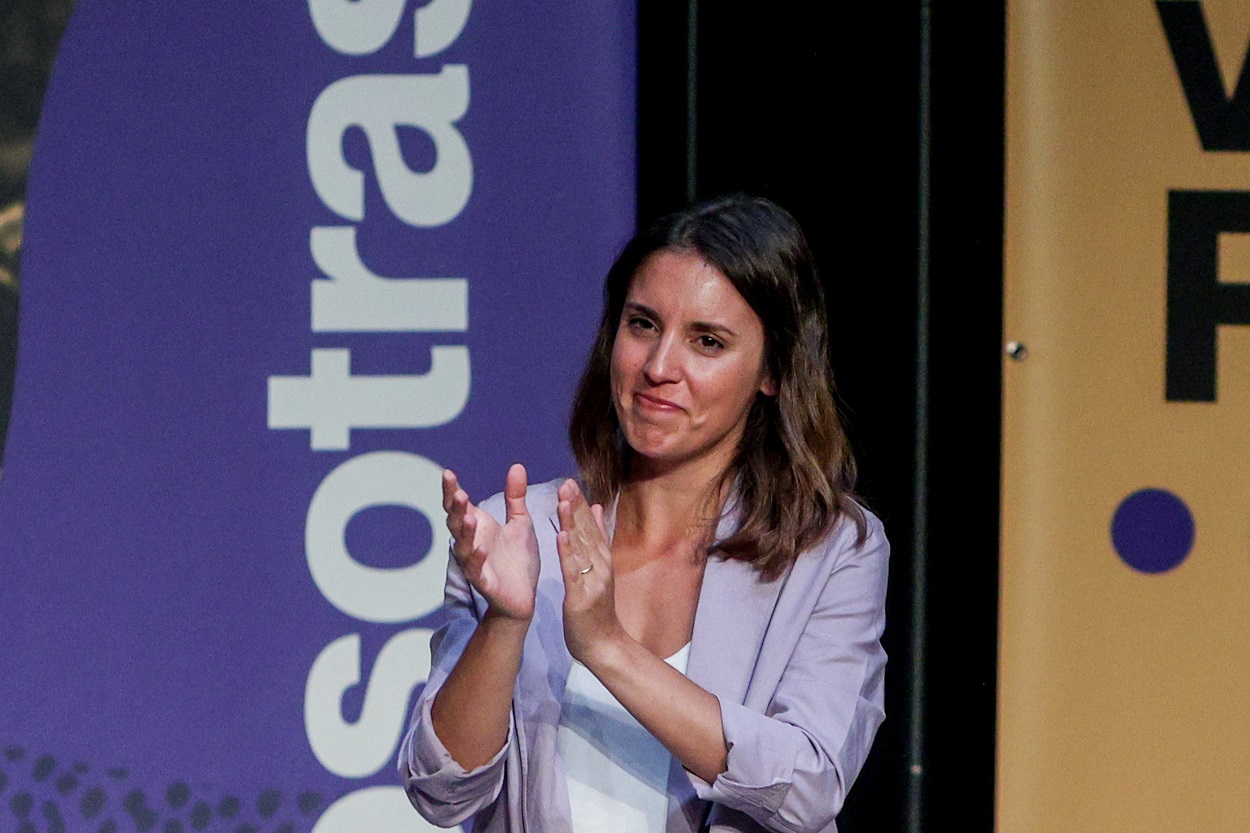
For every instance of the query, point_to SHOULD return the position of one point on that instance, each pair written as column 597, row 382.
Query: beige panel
column 1124, row 697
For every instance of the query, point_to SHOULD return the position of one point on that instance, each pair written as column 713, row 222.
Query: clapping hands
column 501, row 561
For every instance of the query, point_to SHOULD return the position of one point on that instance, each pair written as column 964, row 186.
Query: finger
column 564, row 514
column 588, row 536
column 568, row 490
column 597, row 511
column 574, row 567
column 571, row 494
column 568, row 561
column 450, row 484
column 457, row 508
column 569, row 545
column 467, row 532
column 514, row 492
column 582, row 513
column 586, row 525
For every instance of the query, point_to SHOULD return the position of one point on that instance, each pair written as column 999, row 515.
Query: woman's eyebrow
column 710, row 327
column 641, row 309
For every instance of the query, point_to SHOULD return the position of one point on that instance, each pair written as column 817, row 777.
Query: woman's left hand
column 590, row 620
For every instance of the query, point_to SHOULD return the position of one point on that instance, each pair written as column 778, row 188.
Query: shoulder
column 837, row 589
column 845, row 545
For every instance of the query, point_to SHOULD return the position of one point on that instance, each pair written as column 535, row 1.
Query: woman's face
column 687, row 363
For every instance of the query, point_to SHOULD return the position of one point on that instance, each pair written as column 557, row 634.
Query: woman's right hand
column 500, row 562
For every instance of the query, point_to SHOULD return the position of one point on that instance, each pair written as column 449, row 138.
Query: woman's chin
column 651, row 459
column 651, row 453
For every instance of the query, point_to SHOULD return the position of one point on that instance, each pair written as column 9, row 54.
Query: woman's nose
column 663, row 361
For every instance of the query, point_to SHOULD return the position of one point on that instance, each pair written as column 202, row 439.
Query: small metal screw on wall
column 1016, row 350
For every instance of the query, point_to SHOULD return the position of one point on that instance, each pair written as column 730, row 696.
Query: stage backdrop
column 284, row 262
column 1125, row 642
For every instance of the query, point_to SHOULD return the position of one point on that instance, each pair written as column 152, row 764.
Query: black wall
column 880, row 127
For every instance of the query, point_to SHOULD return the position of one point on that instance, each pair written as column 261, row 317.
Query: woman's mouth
column 654, row 403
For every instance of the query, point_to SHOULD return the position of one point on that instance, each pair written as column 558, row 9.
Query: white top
column 617, row 772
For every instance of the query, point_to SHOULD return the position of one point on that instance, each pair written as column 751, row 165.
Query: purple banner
column 283, row 262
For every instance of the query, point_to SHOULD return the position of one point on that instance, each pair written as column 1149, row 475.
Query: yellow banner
column 1124, row 690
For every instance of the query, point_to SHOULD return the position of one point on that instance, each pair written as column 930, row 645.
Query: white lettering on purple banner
column 330, row 402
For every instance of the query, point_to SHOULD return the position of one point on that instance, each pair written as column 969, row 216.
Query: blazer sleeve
column 794, row 755
column 444, row 792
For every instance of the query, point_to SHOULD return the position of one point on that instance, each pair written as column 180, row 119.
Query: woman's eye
column 709, row 343
column 639, row 323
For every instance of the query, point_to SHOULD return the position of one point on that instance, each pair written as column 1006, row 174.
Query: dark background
column 880, row 127
column 30, row 31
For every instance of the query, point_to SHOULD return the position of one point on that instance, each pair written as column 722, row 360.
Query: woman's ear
column 768, row 387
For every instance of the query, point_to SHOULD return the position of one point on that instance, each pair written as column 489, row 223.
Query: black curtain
column 880, row 127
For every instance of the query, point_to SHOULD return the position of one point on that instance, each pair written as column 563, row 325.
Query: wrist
column 609, row 654
column 498, row 622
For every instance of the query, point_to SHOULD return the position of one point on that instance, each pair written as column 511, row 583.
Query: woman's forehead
column 682, row 278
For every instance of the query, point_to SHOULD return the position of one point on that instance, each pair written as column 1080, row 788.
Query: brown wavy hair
column 794, row 473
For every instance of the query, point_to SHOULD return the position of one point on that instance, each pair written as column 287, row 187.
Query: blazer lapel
column 732, row 616
column 730, row 620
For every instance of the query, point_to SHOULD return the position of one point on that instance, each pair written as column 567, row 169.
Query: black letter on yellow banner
column 1197, row 301
column 1223, row 123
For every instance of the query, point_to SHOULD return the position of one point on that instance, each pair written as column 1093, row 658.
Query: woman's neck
column 669, row 511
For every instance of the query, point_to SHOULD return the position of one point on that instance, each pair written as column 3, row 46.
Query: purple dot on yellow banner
column 1152, row 530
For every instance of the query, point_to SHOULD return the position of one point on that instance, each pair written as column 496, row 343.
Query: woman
column 704, row 653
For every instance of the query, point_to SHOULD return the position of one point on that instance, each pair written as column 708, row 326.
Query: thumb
column 514, row 492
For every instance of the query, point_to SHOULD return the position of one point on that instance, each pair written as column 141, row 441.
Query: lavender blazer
column 796, row 664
